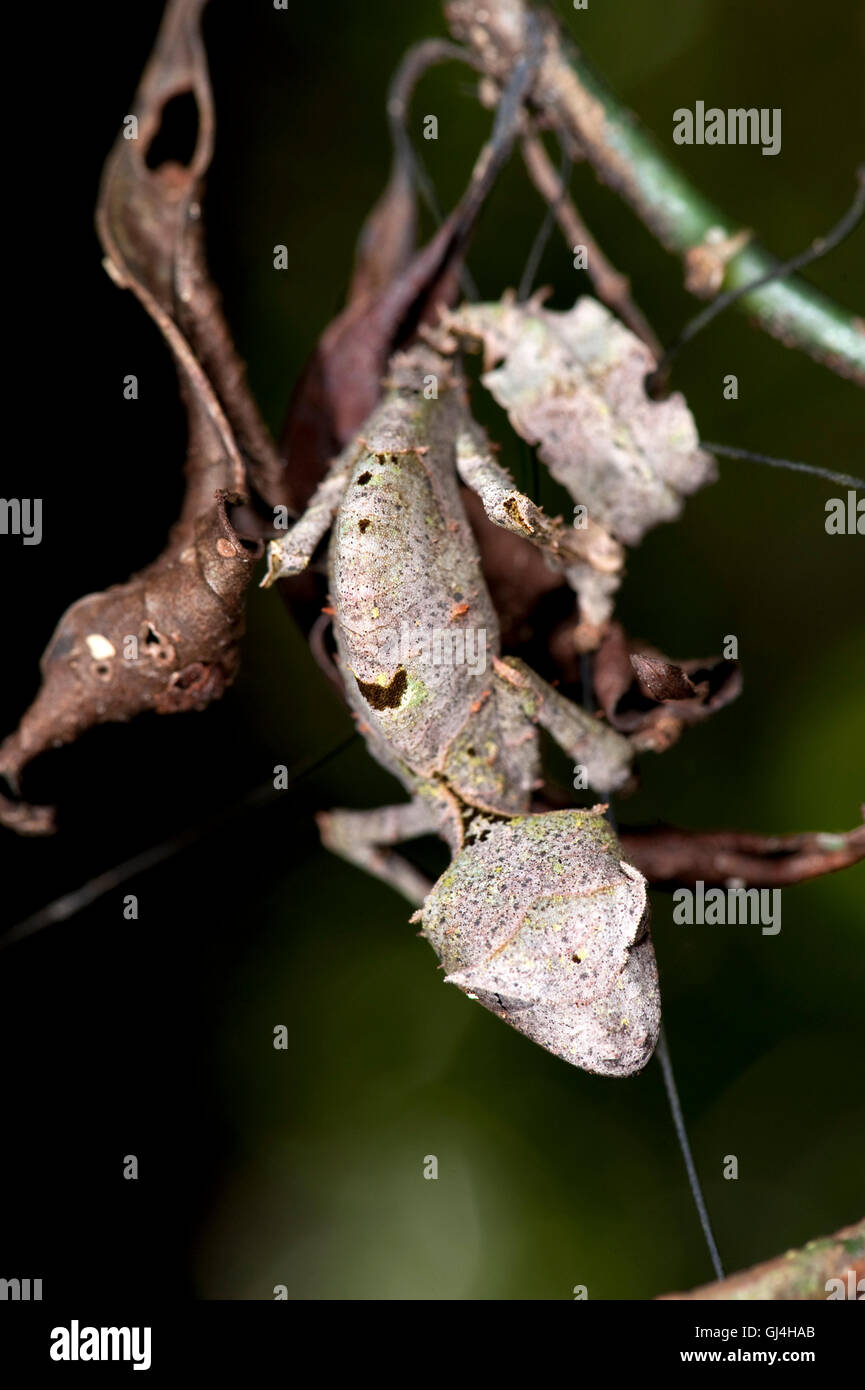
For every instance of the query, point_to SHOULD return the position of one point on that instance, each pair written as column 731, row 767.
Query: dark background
column 154, row 1037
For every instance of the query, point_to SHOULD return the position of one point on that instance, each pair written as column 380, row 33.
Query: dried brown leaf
column 387, row 239
column 644, row 694
column 659, row 679
column 184, row 611
column 150, row 225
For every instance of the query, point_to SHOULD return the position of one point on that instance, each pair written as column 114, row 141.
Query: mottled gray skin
column 541, row 922
column 525, row 893
column 402, row 557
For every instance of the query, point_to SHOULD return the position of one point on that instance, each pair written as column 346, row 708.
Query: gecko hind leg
column 606, row 754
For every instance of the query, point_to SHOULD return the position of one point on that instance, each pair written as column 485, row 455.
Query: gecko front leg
column 291, row 554
column 605, row 754
column 361, row 837
column 564, row 545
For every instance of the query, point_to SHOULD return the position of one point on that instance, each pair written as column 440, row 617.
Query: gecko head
column 543, row 923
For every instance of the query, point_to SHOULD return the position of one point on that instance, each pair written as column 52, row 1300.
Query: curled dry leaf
column 574, row 385
column 150, row 225
column 341, row 382
column 661, row 680
column 167, row 639
column 652, row 699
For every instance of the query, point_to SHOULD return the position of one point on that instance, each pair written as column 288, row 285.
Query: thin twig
column 66, row 906
column 554, row 205
column 613, row 288
column 728, row 451
column 662, row 1052
column 670, row 857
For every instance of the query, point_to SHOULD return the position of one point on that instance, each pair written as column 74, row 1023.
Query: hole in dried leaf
column 191, row 675
column 177, row 136
column 655, row 385
column 8, row 789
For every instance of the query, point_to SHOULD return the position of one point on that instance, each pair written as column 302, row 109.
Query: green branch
column 595, row 125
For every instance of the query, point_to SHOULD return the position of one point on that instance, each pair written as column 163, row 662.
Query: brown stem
column 831, row 1267
column 669, row 856
column 613, row 288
